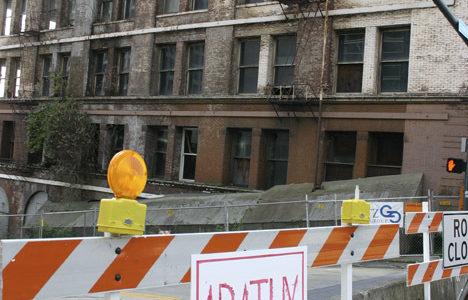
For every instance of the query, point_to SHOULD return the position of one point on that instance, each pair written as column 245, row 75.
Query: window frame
column 8, row 146
column 166, row 9
column 242, row 67
column 103, row 8
column 15, row 77
column 183, row 154
column 64, row 71
column 123, row 70
column 45, row 75
column 23, row 15
column 277, row 66
column 3, row 76
column 165, row 71
column 353, row 62
column 236, row 136
column 100, row 73
column 383, row 61
column 126, row 9
column 375, row 161
column 191, row 70
column 269, row 136
column 202, row 4
column 8, row 18
column 51, row 14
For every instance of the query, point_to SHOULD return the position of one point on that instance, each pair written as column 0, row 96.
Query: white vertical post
column 347, row 270
column 111, row 295
column 426, row 255
column 307, row 210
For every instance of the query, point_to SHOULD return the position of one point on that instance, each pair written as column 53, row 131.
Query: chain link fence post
column 307, row 210
column 226, row 226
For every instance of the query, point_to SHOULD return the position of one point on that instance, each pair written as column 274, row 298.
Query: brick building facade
column 226, row 93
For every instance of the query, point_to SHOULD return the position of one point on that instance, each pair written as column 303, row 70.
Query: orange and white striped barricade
column 421, row 222
column 64, row 267
column 431, row 271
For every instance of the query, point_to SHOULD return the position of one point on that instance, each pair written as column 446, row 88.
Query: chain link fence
column 225, row 217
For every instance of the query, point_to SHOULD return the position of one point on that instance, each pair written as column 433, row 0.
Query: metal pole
column 426, row 256
column 334, row 211
column 41, row 225
column 307, row 210
column 226, row 226
column 94, row 221
column 451, row 18
column 465, row 202
column 84, row 224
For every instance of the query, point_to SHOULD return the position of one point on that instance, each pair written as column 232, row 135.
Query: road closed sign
column 258, row 274
column 455, row 235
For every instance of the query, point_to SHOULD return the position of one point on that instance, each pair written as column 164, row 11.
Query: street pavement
column 323, row 283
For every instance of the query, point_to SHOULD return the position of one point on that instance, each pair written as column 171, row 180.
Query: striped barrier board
column 419, row 222
column 64, row 267
column 431, row 271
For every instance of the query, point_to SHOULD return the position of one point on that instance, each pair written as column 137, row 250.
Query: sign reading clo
column 455, row 236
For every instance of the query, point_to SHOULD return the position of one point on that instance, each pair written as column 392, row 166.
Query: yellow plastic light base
column 121, row 216
column 355, row 211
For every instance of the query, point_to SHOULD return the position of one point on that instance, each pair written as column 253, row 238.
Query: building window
column 123, row 64
column 100, row 69
column 188, row 154
column 69, row 12
column 386, row 153
column 285, row 60
column 394, row 60
column 166, row 69
column 200, row 4
column 350, row 62
column 46, row 72
column 92, row 158
column 250, row 1
column 115, row 140
column 24, row 4
column 2, row 77
column 157, row 147
column 248, row 66
column 8, row 140
column 51, row 14
column 277, row 151
column 64, row 72
column 195, row 68
column 171, row 6
column 105, row 14
column 8, row 18
column 15, row 75
column 127, row 9
column 341, row 152
column 240, row 158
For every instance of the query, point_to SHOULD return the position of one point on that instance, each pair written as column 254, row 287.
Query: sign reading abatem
column 455, row 236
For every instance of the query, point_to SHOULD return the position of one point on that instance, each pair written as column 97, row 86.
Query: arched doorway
column 34, row 206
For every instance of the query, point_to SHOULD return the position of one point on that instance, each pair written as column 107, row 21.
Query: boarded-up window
column 385, row 153
column 341, row 150
column 350, row 58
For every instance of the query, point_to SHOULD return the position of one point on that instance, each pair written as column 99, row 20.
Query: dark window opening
column 105, row 14
column 385, row 153
column 248, row 66
column 123, row 64
column 100, row 67
column 171, row 6
column 127, row 9
column 189, row 154
column 341, row 151
column 394, row 60
column 115, row 140
column 46, row 73
column 240, row 158
column 200, row 4
column 8, row 140
column 166, row 69
column 350, row 62
column 277, row 151
column 285, row 60
column 64, row 73
column 195, row 68
column 157, row 148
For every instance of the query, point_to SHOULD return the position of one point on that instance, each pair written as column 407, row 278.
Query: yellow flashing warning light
column 126, row 176
column 355, row 211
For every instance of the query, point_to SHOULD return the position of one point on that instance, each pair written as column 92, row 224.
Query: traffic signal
column 455, row 165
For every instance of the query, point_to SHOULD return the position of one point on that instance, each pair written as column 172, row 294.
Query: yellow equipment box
column 355, row 211
column 121, row 216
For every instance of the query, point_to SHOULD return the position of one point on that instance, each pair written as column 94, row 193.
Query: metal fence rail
column 220, row 217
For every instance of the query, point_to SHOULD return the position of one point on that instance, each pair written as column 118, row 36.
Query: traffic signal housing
column 455, row 165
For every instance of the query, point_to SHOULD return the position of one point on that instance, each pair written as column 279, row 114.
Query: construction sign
column 65, row 267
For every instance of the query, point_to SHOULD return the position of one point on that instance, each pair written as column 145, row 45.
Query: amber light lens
column 127, row 174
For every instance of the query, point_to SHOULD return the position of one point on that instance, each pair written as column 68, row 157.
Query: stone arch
column 34, row 206
column 4, row 210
